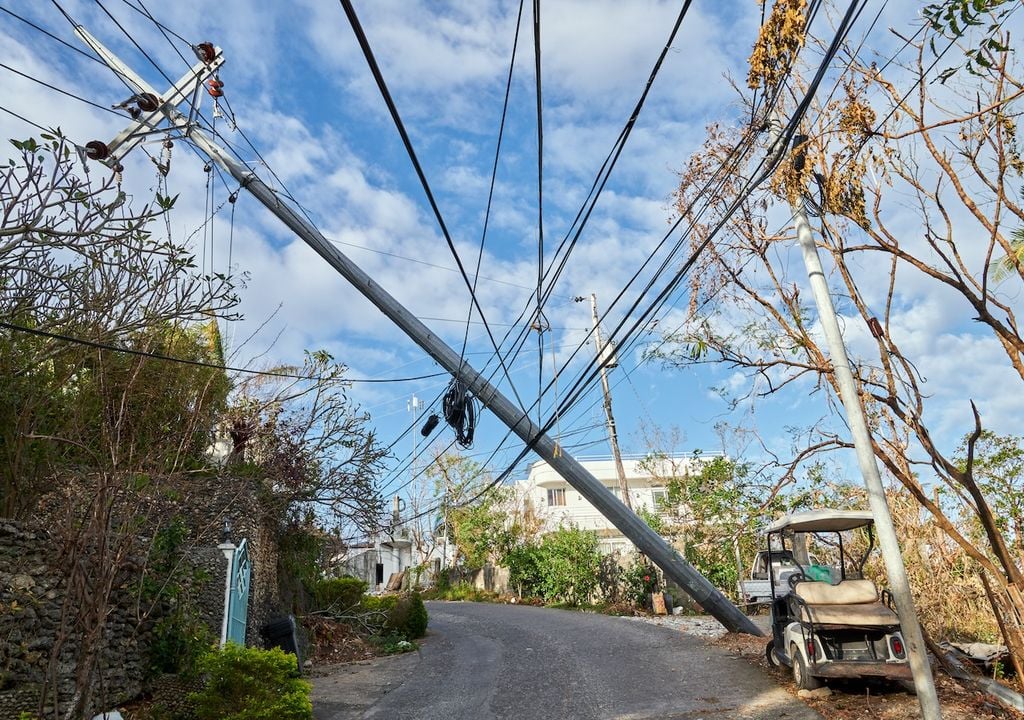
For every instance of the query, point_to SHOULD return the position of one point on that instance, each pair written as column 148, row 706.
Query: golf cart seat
column 851, row 602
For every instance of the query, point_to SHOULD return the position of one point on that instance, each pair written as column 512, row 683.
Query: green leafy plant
column 339, row 594
column 178, row 643
column 639, row 580
column 251, row 684
column 523, row 562
column 394, row 643
column 405, row 615
column 180, row 637
column 564, row 567
column 416, row 618
column 460, row 591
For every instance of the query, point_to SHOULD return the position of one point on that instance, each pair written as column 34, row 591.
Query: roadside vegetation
column 113, row 401
column 916, row 198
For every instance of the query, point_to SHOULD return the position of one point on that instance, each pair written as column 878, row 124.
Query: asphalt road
column 483, row 661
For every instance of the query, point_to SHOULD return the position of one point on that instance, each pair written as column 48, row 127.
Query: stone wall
column 490, row 578
column 208, row 503
column 32, row 592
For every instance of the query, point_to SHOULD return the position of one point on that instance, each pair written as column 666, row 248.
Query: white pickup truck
column 757, row 588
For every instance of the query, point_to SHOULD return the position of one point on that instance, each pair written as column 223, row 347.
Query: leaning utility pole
column 613, row 437
column 885, row 531
column 627, row 522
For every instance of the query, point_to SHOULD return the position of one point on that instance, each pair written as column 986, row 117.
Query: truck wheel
column 803, row 679
column 770, row 656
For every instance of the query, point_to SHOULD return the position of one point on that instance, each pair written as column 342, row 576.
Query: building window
column 660, row 499
column 556, row 496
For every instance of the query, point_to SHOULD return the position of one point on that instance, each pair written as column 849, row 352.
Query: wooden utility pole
column 604, row 361
column 675, row 567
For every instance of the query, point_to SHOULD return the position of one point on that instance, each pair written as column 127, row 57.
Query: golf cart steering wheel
column 794, row 579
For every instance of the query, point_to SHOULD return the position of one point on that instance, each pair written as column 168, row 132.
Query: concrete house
column 559, row 504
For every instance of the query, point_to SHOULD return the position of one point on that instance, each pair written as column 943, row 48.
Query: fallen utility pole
column 613, row 435
column 888, row 543
column 627, row 522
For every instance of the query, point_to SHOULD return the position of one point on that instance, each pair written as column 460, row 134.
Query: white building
column 390, row 553
column 559, row 504
column 376, row 561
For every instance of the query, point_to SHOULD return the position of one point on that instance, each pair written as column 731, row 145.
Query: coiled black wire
column 460, row 412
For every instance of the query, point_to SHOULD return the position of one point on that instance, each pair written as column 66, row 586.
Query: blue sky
column 301, row 91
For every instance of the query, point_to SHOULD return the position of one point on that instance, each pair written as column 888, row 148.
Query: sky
column 300, row 91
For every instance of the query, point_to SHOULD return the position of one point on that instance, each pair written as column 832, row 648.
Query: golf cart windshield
column 826, row 528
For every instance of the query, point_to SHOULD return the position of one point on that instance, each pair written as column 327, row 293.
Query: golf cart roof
column 822, row 521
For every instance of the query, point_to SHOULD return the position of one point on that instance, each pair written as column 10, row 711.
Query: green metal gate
column 238, row 602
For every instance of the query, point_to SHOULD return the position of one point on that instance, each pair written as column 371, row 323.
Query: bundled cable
column 460, row 412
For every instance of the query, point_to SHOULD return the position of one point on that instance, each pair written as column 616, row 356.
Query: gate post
column 228, row 548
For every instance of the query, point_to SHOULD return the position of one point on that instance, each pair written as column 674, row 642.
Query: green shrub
column 461, row 591
column 416, row 619
column 570, row 563
column 639, row 581
column 405, row 615
column 341, row 594
column 524, row 569
column 178, row 643
column 251, row 684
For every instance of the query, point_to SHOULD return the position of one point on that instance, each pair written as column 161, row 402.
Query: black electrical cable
column 144, row 11
column 197, row 363
column 25, row 119
column 780, row 145
column 62, row 91
column 378, row 76
column 460, row 412
column 78, row 50
column 494, row 177
column 600, row 180
column 604, row 173
column 539, row 317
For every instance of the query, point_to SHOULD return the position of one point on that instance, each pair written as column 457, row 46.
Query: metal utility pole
column 924, row 683
column 413, row 406
column 613, row 436
column 628, row 523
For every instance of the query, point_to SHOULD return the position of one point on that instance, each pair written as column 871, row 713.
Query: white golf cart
column 830, row 622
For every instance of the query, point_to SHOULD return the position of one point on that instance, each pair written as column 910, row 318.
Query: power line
column 494, row 177
column 61, row 90
column 51, row 35
column 378, row 76
column 24, row 119
column 539, row 317
column 597, row 187
column 199, row 363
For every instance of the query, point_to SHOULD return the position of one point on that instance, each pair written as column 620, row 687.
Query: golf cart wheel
column 770, row 656
column 801, row 676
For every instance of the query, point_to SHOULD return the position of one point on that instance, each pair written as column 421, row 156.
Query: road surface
column 483, row 661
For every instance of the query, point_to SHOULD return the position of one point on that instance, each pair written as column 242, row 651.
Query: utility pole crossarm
column 166, row 104
column 631, row 526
